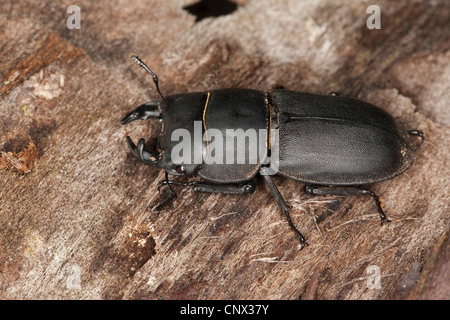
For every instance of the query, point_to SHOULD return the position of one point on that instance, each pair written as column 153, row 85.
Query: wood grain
column 79, row 225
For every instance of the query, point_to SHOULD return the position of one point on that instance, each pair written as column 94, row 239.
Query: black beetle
column 334, row 144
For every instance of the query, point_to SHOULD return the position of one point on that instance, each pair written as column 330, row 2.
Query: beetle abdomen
column 337, row 141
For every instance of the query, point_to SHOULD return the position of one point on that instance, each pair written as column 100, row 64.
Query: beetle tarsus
column 283, row 206
column 379, row 204
column 321, row 190
column 173, row 195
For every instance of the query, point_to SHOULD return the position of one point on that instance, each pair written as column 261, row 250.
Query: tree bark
column 76, row 222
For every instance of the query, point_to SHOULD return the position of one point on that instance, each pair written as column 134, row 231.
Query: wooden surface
column 79, row 224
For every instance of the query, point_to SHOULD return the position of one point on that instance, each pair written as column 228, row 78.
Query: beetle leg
column 200, row 186
column 173, row 195
column 177, row 183
column 320, row 190
column 159, row 206
column 230, row 188
column 283, row 206
column 143, row 112
column 141, row 153
column 203, row 187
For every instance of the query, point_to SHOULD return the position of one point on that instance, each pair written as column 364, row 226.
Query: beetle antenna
column 140, row 63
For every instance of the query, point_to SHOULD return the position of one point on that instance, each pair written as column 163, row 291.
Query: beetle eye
column 181, row 169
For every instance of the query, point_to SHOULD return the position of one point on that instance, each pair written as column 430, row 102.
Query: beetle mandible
column 332, row 143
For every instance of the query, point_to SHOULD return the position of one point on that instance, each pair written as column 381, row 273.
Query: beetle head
column 143, row 112
column 172, row 114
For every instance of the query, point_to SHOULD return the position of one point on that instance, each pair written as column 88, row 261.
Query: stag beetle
column 332, row 143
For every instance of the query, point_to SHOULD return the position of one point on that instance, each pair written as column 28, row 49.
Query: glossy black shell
column 325, row 140
column 334, row 140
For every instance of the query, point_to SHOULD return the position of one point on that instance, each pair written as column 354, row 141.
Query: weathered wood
column 79, row 225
